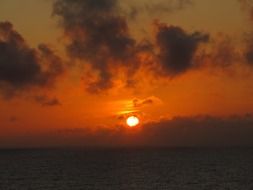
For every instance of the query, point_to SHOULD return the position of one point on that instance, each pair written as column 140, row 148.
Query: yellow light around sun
column 132, row 121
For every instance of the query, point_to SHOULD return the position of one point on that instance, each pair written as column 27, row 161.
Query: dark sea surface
column 142, row 168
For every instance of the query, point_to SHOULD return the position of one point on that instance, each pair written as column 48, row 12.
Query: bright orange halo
column 132, row 121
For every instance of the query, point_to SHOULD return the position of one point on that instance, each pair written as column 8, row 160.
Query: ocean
column 127, row 168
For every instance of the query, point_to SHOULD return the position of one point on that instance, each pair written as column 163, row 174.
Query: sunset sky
column 73, row 71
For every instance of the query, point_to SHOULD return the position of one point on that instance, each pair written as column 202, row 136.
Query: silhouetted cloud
column 166, row 6
column 222, row 54
column 139, row 103
column 22, row 67
column 176, row 132
column 153, row 8
column 13, row 119
column 177, row 48
column 147, row 101
column 98, row 34
column 201, row 131
column 47, row 101
column 248, row 51
column 247, row 5
column 179, row 131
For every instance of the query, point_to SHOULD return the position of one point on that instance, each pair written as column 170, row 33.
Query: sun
column 132, row 121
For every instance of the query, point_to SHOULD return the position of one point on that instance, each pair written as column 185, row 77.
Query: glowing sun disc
column 132, row 121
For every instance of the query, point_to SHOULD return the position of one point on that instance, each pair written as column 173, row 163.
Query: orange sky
column 212, row 89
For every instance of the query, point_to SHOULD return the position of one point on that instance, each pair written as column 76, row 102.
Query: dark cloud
column 249, row 56
column 176, row 132
column 47, row 101
column 97, row 34
column 137, row 103
column 177, row 48
column 140, row 103
column 22, row 67
column 153, row 8
column 18, row 62
column 179, row 131
column 166, row 6
column 201, row 131
column 52, row 62
column 247, row 5
column 13, row 119
column 248, row 51
column 222, row 54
